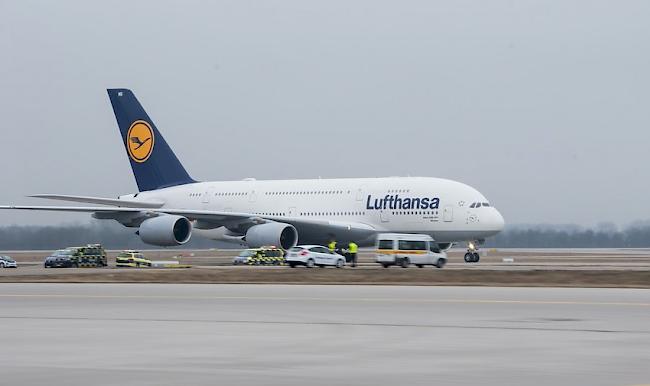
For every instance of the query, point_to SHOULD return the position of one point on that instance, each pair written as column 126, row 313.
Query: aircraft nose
column 497, row 221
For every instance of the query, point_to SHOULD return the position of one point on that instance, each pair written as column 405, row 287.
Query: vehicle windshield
column 124, row 254
column 296, row 249
column 247, row 253
column 64, row 252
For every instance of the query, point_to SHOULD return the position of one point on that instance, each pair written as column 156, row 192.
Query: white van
column 406, row 249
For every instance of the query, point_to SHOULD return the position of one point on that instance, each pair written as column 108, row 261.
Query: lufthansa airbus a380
column 170, row 206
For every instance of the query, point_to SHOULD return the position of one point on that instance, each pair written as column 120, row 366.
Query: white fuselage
column 433, row 206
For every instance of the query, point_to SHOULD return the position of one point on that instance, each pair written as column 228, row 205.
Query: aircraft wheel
column 469, row 257
column 476, row 257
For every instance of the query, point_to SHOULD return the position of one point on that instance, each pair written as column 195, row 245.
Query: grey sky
column 543, row 106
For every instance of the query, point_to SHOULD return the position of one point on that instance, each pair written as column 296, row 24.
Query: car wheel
column 385, row 265
column 419, row 265
column 440, row 263
column 310, row 263
column 75, row 265
column 292, row 265
column 405, row 263
column 2, row 265
column 339, row 263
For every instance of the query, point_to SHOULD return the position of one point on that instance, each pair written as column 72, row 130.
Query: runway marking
column 319, row 323
column 329, row 299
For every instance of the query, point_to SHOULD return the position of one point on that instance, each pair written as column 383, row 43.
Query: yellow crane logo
column 139, row 141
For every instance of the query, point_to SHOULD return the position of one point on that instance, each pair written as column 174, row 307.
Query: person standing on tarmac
column 332, row 245
column 353, row 248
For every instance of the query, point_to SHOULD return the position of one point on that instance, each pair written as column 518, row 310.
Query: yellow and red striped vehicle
column 404, row 249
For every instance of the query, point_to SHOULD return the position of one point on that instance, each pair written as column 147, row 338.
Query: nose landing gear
column 472, row 255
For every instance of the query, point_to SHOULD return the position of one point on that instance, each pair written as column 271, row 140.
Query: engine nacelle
column 273, row 233
column 445, row 246
column 166, row 230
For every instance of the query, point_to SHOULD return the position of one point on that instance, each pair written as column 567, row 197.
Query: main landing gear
column 472, row 255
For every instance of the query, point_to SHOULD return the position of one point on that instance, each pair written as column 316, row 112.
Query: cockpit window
column 473, row 205
column 486, row 204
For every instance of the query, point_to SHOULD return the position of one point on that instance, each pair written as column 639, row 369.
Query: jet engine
column 166, row 230
column 273, row 233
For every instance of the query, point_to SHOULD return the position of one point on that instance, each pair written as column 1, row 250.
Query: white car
column 313, row 255
column 7, row 262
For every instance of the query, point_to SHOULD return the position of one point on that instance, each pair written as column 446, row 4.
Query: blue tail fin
column 153, row 162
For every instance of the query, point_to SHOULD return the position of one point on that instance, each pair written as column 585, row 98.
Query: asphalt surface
column 174, row 334
column 625, row 268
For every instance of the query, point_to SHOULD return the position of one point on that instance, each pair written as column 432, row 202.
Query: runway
column 162, row 334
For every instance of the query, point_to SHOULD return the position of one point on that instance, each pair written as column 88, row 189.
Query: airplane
column 170, row 206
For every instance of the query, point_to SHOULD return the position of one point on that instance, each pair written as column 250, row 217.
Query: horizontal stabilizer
column 102, row 201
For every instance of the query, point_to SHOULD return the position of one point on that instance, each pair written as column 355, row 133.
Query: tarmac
column 625, row 268
column 181, row 334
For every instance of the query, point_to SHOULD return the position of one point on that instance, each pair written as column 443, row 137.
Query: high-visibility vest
column 353, row 248
column 332, row 246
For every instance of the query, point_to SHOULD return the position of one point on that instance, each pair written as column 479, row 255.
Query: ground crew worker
column 353, row 248
column 332, row 245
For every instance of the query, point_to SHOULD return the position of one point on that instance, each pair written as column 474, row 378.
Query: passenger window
column 385, row 244
column 473, row 205
column 412, row 245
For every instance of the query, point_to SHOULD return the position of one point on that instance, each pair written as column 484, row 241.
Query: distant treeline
column 110, row 234
column 636, row 235
column 114, row 236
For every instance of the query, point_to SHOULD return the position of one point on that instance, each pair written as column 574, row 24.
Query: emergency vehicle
column 90, row 256
column 133, row 259
column 270, row 255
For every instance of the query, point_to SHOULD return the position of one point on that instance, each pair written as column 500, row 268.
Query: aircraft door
column 360, row 194
column 206, row 195
column 383, row 215
column 448, row 213
column 292, row 211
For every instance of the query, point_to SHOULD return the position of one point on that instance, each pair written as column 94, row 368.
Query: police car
column 132, row 259
column 314, row 255
column 92, row 255
column 260, row 256
column 7, row 262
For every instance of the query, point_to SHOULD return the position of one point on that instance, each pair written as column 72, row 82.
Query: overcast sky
column 543, row 106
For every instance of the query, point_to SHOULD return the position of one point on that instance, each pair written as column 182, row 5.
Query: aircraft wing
column 214, row 219
column 102, row 200
column 189, row 213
